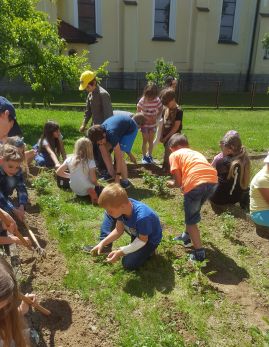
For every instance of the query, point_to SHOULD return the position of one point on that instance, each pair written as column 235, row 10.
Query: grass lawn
column 168, row 303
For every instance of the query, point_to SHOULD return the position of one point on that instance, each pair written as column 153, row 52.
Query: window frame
column 98, row 22
column 172, row 23
column 236, row 24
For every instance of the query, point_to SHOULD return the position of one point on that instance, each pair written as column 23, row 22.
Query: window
column 227, row 20
column 86, row 16
column 164, row 19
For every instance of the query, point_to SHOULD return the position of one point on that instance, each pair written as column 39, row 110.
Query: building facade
column 207, row 40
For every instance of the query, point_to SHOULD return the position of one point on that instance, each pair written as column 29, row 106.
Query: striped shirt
column 151, row 109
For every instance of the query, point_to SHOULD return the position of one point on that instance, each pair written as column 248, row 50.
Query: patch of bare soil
column 229, row 277
column 73, row 322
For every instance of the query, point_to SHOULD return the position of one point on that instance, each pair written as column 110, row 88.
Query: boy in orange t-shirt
column 198, row 181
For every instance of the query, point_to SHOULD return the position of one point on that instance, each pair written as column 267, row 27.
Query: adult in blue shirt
column 116, row 134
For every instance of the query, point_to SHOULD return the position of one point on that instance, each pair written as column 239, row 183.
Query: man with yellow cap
column 98, row 104
column 99, row 108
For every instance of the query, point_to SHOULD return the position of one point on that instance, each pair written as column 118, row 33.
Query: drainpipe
column 251, row 53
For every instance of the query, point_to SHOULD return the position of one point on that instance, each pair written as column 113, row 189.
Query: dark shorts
column 194, row 199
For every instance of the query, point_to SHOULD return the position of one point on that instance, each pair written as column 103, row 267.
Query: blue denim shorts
column 260, row 217
column 194, row 199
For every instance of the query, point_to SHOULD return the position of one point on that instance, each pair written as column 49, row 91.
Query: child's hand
column 9, row 222
column 27, row 240
column 97, row 249
column 24, row 307
column 114, row 256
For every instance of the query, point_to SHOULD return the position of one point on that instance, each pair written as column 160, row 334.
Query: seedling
column 157, row 184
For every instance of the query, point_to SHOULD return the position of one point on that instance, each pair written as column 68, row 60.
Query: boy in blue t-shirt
column 134, row 217
column 118, row 134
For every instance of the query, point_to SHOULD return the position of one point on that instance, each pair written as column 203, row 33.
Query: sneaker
column 105, row 250
column 198, row 255
column 105, row 176
column 145, row 160
column 185, row 238
column 151, row 160
column 125, row 183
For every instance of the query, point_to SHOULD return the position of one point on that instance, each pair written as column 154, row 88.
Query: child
column 50, row 146
column 197, row 179
column 150, row 105
column 117, row 134
column 172, row 122
column 140, row 222
column 28, row 156
column 81, row 167
column 259, row 196
column 13, row 330
column 220, row 155
column 233, row 170
column 11, row 177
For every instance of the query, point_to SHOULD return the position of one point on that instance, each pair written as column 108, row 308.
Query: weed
column 228, row 226
column 52, row 205
column 259, row 338
column 41, row 184
column 157, row 184
column 63, row 228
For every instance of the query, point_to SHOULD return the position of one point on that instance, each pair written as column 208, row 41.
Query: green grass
column 168, row 302
column 204, row 128
column 130, row 97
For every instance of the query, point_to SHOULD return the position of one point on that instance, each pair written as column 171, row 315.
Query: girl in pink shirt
column 150, row 105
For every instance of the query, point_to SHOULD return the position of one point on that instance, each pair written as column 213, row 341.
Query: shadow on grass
column 235, row 210
column 156, row 275
column 225, row 269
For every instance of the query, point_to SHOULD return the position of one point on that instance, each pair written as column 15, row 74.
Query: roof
column 74, row 35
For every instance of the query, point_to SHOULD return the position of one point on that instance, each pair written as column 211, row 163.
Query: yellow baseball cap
column 85, row 78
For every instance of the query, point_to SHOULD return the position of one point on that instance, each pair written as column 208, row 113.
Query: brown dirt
column 73, row 322
column 231, row 279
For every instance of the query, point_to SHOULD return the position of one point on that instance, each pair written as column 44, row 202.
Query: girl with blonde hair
column 80, row 169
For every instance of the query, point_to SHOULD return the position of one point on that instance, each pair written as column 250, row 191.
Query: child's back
column 194, row 168
column 80, row 181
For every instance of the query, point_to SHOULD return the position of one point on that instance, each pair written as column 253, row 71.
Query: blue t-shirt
column 118, row 126
column 143, row 221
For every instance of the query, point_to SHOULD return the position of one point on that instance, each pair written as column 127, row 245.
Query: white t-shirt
column 260, row 180
column 79, row 176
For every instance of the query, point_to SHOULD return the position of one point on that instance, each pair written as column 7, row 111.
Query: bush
column 162, row 70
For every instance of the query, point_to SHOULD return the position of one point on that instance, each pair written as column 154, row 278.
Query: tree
column 265, row 41
column 162, row 70
column 32, row 49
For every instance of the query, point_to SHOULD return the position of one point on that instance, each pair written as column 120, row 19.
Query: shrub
column 162, row 70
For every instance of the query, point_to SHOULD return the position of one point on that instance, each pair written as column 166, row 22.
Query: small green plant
column 63, row 228
column 41, row 184
column 21, row 102
column 157, row 184
column 258, row 337
column 52, row 205
column 228, row 225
